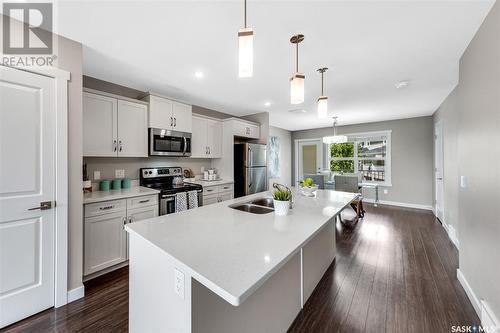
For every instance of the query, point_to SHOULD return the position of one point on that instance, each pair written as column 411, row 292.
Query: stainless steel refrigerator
column 250, row 169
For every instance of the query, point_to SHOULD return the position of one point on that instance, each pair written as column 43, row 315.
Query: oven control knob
column 150, row 172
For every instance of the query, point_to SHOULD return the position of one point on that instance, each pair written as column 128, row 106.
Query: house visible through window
column 367, row 154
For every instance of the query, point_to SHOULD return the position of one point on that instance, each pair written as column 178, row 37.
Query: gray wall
column 447, row 114
column 285, row 137
column 412, row 157
column 479, row 161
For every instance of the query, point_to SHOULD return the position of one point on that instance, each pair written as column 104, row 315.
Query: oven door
column 167, row 204
column 169, row 143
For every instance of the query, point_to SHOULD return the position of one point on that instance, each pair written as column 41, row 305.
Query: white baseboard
column 75, row 294
column 470, row 293
column 488, row 318
column 400, row 204
column 452, row 234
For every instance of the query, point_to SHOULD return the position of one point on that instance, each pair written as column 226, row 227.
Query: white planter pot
column 281, row 208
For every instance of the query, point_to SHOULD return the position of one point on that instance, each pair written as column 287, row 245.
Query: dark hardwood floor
column 395, row 271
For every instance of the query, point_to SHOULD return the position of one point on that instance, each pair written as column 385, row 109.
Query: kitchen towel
column 192, row 199
column 180, row 202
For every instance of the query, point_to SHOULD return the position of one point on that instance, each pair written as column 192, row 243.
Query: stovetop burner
column 162, row 179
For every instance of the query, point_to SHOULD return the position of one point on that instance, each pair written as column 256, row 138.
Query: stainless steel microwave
column 169, row 143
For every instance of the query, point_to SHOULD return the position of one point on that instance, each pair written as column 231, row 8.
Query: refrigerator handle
column 251, row 178
column 250, row 159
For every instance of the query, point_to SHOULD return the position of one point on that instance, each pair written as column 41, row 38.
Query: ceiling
column 369, row 46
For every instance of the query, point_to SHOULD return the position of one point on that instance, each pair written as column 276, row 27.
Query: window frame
column 356, row 137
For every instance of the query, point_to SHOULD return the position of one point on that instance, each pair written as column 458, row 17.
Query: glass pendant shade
column 245, row 48
column 322, row 107
column 297, row 88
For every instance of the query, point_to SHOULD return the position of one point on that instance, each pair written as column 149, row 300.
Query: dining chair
column 349, row 183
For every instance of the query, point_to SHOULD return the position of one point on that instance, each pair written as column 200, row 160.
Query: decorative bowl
column 308, row 191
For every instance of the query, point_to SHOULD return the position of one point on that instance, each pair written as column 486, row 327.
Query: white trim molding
column 76, row 293
column 399, row 204
column 489, row 320
column 452, row 234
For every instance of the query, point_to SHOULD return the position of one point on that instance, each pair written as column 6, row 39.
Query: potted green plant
column 308, row 187
column 282, row 199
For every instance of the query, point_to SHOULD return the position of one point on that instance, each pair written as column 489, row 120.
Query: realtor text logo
column 27, row 28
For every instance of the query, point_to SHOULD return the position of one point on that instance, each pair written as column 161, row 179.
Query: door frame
column 439, row 125
column 61, row 78
column 296, row 155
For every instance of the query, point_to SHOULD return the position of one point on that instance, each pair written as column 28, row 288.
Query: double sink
column 256, row 206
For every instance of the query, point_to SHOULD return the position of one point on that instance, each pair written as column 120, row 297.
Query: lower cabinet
column 217, row 193
column 105, row 240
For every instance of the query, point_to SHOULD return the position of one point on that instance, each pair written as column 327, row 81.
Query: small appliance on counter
column 210, row 175
column 169, row 181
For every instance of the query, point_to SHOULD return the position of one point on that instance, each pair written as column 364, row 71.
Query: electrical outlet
column 119, row 173
column 97, row 175
column 179, row 283
column 386, row 191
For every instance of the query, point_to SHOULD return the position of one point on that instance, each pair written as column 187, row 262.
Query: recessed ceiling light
column 198, row 74
column 297, row 111
column 402, row 84
column 267, row 104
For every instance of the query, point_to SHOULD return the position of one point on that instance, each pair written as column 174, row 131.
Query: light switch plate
column 386, row 191
column 119, row 173
column 463, row 181
column 179, row 283
column 97, row 175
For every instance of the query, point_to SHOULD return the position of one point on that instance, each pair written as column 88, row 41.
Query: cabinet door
column 105, row 242
column 226, row 196
column 254, row 131
column 99, row 125
column 140, row 214
column 160, row 112
column 210, row 199
column 132, row 129
column 214, row 140
column 199, row 142
column 182, row 114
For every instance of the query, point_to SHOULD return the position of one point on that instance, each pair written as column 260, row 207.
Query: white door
column 27, row 178
column 99, row 125
column 438, row 170
column 199, row 144
column 132, row 129
column 183, row 117
column 310, row 158
column 105, row 241
column 214, row 138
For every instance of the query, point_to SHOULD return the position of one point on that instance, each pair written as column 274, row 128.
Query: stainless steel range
column 169, row 181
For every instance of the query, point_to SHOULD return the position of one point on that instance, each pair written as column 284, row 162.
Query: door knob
column 44, row 205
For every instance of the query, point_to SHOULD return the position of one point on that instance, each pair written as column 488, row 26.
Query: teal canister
column 104, row 185
column 126, row 183
column 116, row 184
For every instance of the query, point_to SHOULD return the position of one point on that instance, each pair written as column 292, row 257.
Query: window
column 367, row 154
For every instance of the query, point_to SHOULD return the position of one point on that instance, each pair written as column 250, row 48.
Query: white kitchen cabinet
column 210, row 199
column 167, row 114
column 105, row 241
column 225, row 196
column 217, row 193
column 114, row 127
column 100, row 127
column 206, row 141
column 132, row 129
column 245, row 128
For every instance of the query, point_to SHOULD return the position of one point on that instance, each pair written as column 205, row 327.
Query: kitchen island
column 218, row 269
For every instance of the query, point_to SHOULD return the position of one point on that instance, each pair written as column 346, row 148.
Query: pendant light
column 335, row 138
column 322, row 100
column 245, row 49
column 297, row 80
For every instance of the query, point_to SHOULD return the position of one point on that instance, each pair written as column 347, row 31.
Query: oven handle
column 185, row 145
column 168, row 197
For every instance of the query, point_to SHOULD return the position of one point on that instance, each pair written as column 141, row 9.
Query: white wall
column 285, row 155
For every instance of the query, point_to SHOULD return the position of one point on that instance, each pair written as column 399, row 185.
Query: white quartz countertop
column 205, row 183
column 134, row 191
column 232, row 252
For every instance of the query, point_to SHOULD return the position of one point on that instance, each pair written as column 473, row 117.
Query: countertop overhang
column 232, row 252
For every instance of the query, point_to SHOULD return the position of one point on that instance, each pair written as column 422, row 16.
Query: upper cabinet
column 206, row 140
column 167, row 114
column 113, row 126
column 244, row 128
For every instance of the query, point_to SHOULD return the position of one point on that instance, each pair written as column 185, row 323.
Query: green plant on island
column 282, row 195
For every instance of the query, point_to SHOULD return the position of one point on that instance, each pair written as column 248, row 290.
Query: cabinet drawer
column 226, row 188
column 105, row 207
column 207, row 190
column 210, row 199
column 145, row 201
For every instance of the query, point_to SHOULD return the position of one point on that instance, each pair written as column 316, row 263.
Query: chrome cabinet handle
column 106, row 207
column 114, row 145
column 120, row 143
column 144, row 201
column 130, row 219
column 209, row 151
column 175, row 122
column 171, row 121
